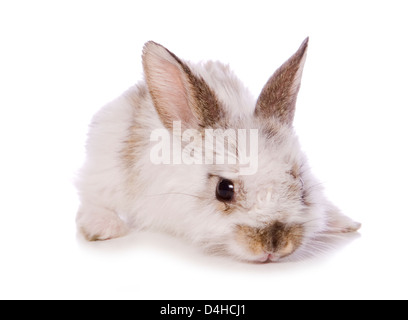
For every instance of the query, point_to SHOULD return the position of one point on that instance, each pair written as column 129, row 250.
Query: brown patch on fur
column 224, row 207
column 88, row 236
column 294, row 190
column 295, row 171
column 278, row 97
column 135, row 140
column 130, row 148
column 286, row 237
column 277, row 238
column 256, row 239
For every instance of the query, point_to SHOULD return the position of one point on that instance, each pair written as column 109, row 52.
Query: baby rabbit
column 145, row 167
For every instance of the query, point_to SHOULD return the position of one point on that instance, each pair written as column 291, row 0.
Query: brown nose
column 277, row 238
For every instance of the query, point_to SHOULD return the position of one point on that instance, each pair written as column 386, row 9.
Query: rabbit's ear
column 278, row 97
column 177, row 93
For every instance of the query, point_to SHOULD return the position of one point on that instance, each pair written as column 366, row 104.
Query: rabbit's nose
column 269, row 257
column 272, row 242
column 273, row 257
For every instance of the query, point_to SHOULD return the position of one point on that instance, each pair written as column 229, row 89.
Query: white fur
column 117, row 194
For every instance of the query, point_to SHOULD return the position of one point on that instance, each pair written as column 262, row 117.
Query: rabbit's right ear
column 177, row 93
column 278, row 96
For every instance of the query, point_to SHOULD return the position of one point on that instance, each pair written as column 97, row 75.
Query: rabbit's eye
column 225, row 190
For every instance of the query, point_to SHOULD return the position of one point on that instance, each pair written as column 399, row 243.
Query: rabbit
column 268, row 213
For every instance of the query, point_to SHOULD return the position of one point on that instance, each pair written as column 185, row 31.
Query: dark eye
column 225, row 190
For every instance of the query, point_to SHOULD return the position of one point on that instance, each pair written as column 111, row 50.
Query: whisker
column 313, row 186
column 174, row 193
column 302, row 224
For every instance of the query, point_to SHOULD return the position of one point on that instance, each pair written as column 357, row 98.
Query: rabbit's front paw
column 100, row 224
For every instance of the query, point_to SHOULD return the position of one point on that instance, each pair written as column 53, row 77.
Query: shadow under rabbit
column 139, row 242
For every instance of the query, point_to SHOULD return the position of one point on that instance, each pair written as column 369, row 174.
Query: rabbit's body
column 266, row 216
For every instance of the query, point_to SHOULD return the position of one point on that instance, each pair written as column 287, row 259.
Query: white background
column 60, row 61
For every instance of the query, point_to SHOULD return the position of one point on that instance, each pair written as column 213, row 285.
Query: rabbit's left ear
column 278, row 97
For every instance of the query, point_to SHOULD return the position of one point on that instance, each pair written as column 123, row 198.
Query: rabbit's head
column 251, row 192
